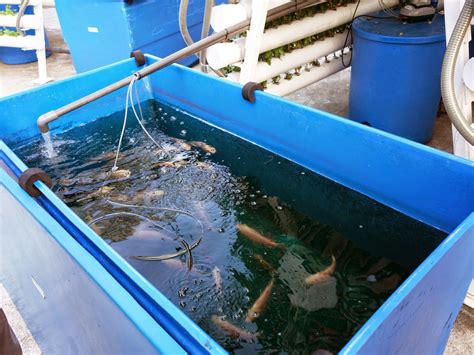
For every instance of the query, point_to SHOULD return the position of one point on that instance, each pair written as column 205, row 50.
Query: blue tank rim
column 373, row 30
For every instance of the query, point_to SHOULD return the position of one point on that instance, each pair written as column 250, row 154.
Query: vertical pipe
column 40, row 45
column 254, row 40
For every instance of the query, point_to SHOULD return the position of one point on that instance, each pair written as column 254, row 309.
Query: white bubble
column 183, row 132
column 172, row 118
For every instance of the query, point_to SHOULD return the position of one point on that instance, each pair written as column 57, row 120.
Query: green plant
column 8, row 11
column 6, row 32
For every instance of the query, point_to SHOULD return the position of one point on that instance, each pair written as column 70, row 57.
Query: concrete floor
column 330, row 95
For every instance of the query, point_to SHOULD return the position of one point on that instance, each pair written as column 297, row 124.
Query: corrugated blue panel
column 70, row 303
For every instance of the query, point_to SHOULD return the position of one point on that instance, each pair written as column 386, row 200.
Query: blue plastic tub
column 395, row 78
column 17, row 55
column 101, row 32
column 423, row 183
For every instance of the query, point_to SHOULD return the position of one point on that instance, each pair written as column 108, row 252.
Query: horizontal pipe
column 27, row 22
column 25, row 42
column 316, row 74
column 18, row 2
column 226, row 15
column 299, row 57
column 222, row 55
column 44, row 120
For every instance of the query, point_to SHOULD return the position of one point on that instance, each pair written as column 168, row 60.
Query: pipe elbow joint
column 44, row 120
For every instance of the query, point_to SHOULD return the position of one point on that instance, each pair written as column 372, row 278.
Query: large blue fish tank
column 281, row 192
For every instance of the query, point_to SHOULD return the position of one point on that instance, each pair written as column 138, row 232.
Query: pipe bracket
column 139, row 57
column 30, row 176
column 248, row 90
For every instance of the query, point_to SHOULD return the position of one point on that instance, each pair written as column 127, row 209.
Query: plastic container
column 395, row 78
column 424, row 183
column 17, row 55
column 100, row 32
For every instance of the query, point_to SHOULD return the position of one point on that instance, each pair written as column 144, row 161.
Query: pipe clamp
column 30, row 176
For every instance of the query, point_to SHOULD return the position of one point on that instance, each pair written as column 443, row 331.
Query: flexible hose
column 183, row 22
column 447, row 73
column 206, row 24
column 21, row 12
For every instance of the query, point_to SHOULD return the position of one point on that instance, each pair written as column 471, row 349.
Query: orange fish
column 260, row 304
column 203, row 146
column 232, row 330
column 255, row 236
column 322, row 276
column 263, row 263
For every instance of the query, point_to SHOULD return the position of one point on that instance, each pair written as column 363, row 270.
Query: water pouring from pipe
column 48, row 144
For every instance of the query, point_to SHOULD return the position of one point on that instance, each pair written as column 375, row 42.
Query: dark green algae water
column 376, row 247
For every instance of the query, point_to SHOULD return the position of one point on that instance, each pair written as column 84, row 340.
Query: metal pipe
column 183, row 22
column 21, row 12
column 44, row 120
column 206, row 24
column 448, row 90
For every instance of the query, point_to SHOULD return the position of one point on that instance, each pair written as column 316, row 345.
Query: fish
column 322, row 276
column 101, row 191
column 260, row 304
column 183, row 145
column 189, row 259
column 154, row 194
column 96, row 229
column 106, row 156
column 163, row 164
column 233, row 330
column 167, row 256
column 257, row 237
column 216, row 274
column 120, row 174
column 263, row 263
column 203, row 146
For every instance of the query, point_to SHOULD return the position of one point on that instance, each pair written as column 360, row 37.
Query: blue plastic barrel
column 17, row 55
column 395, row 78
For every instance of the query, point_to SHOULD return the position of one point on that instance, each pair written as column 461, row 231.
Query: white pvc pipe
column 27, row 22
column 25, row 43
column 286, row 87
column 299, row 57
column 294, row 31
column 254, row 41
column 227, row 15
column 17, row 2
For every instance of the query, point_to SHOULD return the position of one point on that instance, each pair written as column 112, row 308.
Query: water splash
column 48, row 144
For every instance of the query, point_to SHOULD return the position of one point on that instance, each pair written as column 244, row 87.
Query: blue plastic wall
column 426, row 184
column 101, row 32
column 70, row 303
column 395, row 75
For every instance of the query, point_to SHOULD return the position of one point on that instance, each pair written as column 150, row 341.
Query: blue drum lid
column 393, row 30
